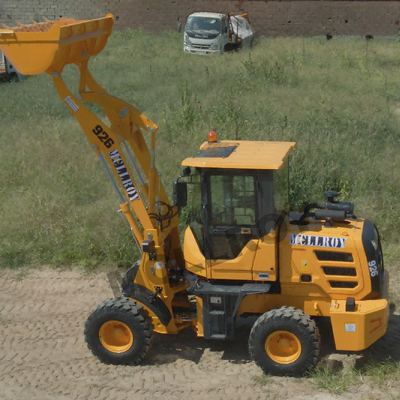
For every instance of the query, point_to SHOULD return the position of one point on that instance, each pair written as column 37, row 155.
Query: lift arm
column 49, row 47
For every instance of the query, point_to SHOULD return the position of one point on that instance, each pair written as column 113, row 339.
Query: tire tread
column 289, row 317
column 127, row 310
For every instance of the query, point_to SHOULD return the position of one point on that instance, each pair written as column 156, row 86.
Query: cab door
column 231, row 223
column 225, row 31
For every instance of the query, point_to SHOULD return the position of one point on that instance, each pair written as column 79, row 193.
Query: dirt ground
column 43, row 354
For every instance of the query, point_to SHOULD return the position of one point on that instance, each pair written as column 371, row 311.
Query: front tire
column 119, row 331
column 285, row 341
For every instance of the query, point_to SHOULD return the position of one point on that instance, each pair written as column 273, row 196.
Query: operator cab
column 238, row 193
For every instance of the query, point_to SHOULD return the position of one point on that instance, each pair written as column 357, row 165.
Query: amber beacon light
column 212, row 137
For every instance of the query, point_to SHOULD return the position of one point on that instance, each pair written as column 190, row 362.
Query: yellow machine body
column 318, row 266
column 331, row 281
column 275, row 261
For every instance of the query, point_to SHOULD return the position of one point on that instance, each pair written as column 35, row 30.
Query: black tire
column 111, row 320
column 292, row 339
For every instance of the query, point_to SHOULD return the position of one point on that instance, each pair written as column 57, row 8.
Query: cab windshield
column 203, row 27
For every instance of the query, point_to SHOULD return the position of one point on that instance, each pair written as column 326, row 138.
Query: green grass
column 336, row 99
column 382, row 376
column 333, row 383
column 4, row 321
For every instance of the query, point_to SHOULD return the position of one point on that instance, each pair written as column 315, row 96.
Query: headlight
column 215, row 46
column 186, row 40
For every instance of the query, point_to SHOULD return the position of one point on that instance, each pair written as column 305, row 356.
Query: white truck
column 210, row 33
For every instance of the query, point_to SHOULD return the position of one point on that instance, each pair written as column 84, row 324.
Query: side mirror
column 180, row 193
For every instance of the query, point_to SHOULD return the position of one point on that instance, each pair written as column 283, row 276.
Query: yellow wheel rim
column 283, row 347
column 116, row 336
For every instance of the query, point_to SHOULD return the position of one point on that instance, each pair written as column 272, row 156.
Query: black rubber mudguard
column 150, row 300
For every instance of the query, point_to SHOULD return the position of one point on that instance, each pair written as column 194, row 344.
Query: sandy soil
column 43, row 354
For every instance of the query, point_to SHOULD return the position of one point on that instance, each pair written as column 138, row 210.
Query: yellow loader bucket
column 49, row 46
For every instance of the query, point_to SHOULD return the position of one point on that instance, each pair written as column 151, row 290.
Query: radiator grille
column 339, row 271
column 201, row 46
column 334, row 256
column 346, row 285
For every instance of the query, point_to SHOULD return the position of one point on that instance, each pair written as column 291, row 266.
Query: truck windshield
column 203, row 27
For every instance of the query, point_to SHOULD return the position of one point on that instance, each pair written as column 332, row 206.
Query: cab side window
column 233, row 200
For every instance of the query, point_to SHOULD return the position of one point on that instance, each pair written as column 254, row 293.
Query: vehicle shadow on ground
column 187, row 346
column 386, row 348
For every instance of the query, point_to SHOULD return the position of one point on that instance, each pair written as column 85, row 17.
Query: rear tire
column 119, row 331
column 285, row 341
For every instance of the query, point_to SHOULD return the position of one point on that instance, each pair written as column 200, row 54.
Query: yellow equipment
column 244, row 252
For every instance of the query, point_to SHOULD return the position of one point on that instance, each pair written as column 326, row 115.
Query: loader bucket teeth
column 49, row 46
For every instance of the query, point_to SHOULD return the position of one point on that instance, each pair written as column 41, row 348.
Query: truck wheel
column 284, row 341
column 119, row 331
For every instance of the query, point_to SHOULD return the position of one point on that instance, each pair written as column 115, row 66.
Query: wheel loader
column 244, row 253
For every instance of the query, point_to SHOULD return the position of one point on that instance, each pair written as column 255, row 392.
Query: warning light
column 212, row 137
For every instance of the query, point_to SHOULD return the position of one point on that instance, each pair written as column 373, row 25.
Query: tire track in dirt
column 43, row 354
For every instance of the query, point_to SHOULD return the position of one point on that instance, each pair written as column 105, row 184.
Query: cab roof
column 207, row 14
column 240, row 154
